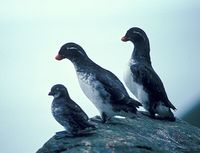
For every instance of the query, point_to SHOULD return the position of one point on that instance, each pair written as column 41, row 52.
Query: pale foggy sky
column 32, row 32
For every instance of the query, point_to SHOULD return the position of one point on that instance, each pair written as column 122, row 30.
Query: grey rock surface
column 139, row 135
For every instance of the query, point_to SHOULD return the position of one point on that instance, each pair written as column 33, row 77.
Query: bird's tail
column 131, row 105
column 171, row 105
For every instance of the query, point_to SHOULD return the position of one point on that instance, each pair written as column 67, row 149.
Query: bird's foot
column 62, row 134
column 166, row 118
column 148, row 114
column 96, row 119
column 91, row 125
column 158, row 117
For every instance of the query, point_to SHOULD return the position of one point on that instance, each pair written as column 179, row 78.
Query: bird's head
column 58, row 91
column 135, row 35
column 71, row 51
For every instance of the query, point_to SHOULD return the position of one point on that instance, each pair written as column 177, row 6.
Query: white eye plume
column 74, row 48
column 140, row 34
column 136, row 32
column 70, row 48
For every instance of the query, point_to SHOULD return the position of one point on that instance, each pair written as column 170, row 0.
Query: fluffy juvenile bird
column 101, row 86
column 142, row 80
column 68, row 113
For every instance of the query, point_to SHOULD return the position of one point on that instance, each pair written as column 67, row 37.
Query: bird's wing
column 72, row 112
column 77, row 112
column 112, row 85
column 151, row 82
column 80, row 118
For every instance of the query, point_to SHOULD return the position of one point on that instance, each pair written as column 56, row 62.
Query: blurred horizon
column 32, row 33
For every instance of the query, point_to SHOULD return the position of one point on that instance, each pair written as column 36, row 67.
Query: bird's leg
column 146, row 113
column 150, row 114
column 151, row 111
column 100, row 119
column 105, row 118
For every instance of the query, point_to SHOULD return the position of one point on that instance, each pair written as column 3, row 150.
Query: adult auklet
column 101, row 86
column 142, row 80
column 68, row 113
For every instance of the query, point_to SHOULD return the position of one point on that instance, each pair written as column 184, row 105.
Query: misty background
column 32, row 32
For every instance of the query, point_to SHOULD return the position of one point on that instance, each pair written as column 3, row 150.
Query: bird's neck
column 63, row 98
column 81, row 64
column 141, row 52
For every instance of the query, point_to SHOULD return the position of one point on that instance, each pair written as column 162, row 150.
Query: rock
column 139, row 135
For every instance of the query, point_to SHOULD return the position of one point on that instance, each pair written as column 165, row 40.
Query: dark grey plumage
column 101, row 86
column 143, row 81
column 67, row 112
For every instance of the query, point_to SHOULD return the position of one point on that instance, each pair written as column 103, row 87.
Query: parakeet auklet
column 101, row 86
column 142, row 80
column 68, row 113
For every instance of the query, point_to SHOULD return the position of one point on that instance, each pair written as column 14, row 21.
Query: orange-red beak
column 124, row 39
column 58, row 57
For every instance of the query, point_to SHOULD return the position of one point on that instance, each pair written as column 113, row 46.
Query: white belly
column 136, row 89
column 92, row 89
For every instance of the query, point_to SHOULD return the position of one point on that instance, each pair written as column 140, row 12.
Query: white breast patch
column 92, row 89
column 136, row 88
